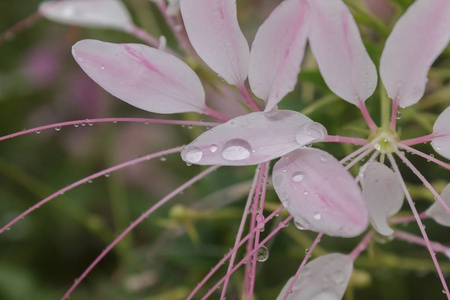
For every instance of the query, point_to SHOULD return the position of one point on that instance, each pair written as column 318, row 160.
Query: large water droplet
column 301, row 224
column 298, row 177
column 262, row 254
column 236, row 149
column 193, row 155
column 310, row 132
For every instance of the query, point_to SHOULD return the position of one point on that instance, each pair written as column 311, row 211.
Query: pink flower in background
column 316, row 189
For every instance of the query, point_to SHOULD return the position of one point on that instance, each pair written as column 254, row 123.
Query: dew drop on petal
column 317, row 216
column 298, row 177
column 213, row 148
column 313, row 131
column 262, row 254
column 236, row 149
column 193, row 155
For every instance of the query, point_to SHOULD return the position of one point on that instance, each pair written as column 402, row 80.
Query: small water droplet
column 301, row 224
column 193, row 155
column 236, row 149
column 102, row 67
column 317, row 216
column 262, row 254
column 298, row 177
column 38, row 131
column 399, row 115
column 58, row 128
column 76, row 125
column 306, row 251
column 80, row 59
column 89, row 181
column 213, row 148
column 444, row 292
column 323, row 158
column 163, row 158
column 107, row 175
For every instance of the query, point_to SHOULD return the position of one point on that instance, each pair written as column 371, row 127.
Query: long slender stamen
column 418, row 140
column 302, row 265
column 248, row 255
column 346, row 140
column 359, row 151
column 424, row 181
column 411, row 238
column 215, row 114
column 366, row 115
column 259, row 224
column 164, row 200
column 224, row 259
column 145, row 36
column 241, row 228
column 87, row 179
column 419, row 222
column 426, row 156
column 358, row 158
column 408, row 219
column 108, row 120
column 361, row 246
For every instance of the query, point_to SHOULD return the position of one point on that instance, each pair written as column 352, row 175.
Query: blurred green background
column 168, row 254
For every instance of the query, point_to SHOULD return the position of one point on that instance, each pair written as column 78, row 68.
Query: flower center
column 387, row 140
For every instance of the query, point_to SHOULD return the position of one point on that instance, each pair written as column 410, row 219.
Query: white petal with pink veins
column 253, row 138
column 324, row 278
column 383, row 195
column 417, row 39
column 214, row 32
column 89, row 13
column 144, row 77
column 441, row 134
column 277, row 52
column 319, row 193
column 437, row 211
column 340, row 53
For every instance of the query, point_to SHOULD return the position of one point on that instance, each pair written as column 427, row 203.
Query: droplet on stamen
column 262, row 254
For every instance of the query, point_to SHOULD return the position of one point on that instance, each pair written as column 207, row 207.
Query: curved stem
column 419, row 223
column 248, row 97
column 345, row 140
column 418, row 140
column 424, row 180
column 281, row 225
column 87, row 179
column 302, row 265
column 164, row 200
column 224, row 259
column 426, row 156
column 366, row 115
column 107, row 120
column 411, row 238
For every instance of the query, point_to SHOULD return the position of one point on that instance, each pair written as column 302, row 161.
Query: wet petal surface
column 319, row 193
column 324, row 278
column 441, row 133
column 437, row 212
column 253, row 138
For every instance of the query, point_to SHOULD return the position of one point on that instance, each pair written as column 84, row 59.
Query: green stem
column 385, row 108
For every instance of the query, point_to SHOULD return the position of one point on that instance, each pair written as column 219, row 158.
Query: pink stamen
column 366, row 115
column 247, row 256
column 109, row 120
column 215, row 114
column 424, row 181
column 408, row 219
column 231, row 252
column 358, row 158
column 248, row 98
column 426, row 156
column 302, row 265
column 259, row 224
column 241, row 229
column 346, row 140
column 87, row 179
column 361, row 246
column 418, row 140
column 145, row 36
column 419, row 223
column 164, row 200
column 411, row 238
column 359, row 151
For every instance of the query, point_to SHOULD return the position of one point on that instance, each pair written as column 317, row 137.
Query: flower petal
column 324, row 278
column 253, row 138
column 89, row 13
column 142, row 76
column 415, row 42
column 441, row 134
column 277, row 52
column 214, row 32
column 437, row 212
column 319, row 193
column 383, row 195
column 336, row 43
